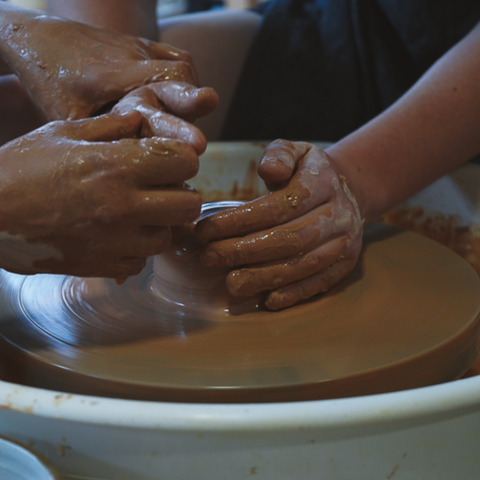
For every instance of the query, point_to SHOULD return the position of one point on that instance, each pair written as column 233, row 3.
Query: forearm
column 132, row 17
column 431, row 130
column 13, row 22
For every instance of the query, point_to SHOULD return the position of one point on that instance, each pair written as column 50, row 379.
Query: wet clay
column 181, row 280
column 407, row 316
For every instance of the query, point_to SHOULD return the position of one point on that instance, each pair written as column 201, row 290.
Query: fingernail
column 278, row 300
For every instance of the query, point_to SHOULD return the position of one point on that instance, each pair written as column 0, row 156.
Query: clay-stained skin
column 97, row 68
column 100, row 205
column 299, row 240
column 168, row 108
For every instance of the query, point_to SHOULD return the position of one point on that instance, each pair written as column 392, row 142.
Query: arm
column 72, row 70
column 9, row 16
column 88, row 198
column 307, row 232
column 433, row 129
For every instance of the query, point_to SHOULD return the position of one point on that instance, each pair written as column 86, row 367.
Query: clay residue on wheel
column 445, row 229
column 249, row 190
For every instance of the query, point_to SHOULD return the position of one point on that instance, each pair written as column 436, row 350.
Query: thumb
column 105, row 128
column 184, row 100
column 279, row 161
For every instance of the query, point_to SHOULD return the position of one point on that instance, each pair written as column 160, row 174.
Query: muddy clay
column 406, row 317
column 445, row 229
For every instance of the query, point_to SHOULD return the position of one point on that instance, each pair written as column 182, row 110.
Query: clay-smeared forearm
column 72, row 70
column 12, row 19
column 166, row 107
column 431, row 130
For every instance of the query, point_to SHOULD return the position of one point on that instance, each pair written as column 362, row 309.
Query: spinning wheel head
column 408, row 316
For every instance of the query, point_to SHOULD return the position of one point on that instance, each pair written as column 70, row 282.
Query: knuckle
column 130, row 268
column 183, row 70
column 185, row 57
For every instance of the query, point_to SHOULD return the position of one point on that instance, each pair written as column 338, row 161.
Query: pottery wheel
column 408, row 316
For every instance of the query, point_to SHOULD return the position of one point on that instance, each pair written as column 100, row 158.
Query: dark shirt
column 319, row 69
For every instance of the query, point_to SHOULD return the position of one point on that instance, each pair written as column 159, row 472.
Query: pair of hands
column 299, row 240
column 90, row 197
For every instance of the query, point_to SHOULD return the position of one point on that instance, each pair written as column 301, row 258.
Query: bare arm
column 305, row 236
column 137, row 18
column 9, row 16
column 433, row 129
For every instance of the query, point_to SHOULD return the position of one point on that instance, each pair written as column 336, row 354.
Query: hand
column 75, row 200
column 72, row 70
column 297, row 241
column 168, row 107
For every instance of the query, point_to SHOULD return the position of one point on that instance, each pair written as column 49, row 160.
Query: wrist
column 16, row 28
column 351, row 173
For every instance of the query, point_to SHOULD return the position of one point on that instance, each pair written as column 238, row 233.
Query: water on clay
column 407, row 316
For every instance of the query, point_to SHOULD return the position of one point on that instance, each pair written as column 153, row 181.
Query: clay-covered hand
column 83, row 198
column 72, row 70
column 299, row 240
column 168, row 108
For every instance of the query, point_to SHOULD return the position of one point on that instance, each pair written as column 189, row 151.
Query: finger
column 105, row 128
column 166, row 206
column 146, row 242
column 156, row 161
column 161, row 124
column 280, row 159
column 299, row 235
column 148, row 71
column 180, row 99
column 163, row 51
column 312, row 185
column 252, row 280
column 126, row 267
column 106, row 266
column 318, row 283
column 184, row 100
